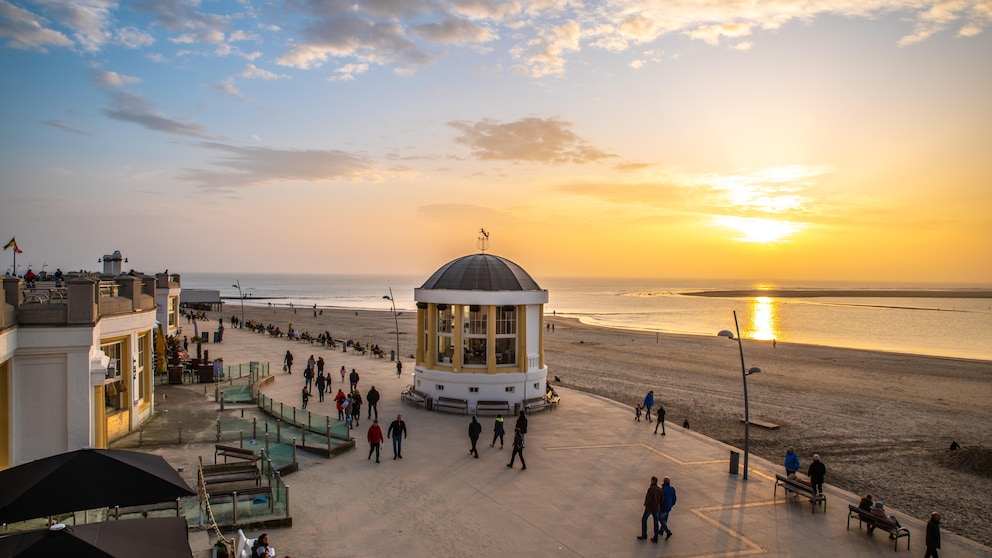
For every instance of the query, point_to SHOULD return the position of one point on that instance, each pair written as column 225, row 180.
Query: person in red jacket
column 375, row 440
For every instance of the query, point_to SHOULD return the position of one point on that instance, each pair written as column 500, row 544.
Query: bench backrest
column 453, row 400
column 881, row 522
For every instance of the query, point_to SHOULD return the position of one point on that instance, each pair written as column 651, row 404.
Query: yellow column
column 99, row 418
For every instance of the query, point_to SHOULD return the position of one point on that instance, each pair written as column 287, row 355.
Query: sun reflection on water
column 764, row 322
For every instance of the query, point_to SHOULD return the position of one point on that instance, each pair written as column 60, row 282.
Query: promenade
column 588, row 467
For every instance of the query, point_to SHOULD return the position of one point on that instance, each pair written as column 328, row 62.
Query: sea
column 922, row 322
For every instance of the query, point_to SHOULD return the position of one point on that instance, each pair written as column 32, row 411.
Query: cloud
column 181, row 16
column 133, row 38
column 68, row 127
column 134, row 109
column 454, row 31
column 228, row 87
column 27, row 31
column 254, row 72
column 549, row 141
column 106, row 78
column 348, row 72
column 90, row 20
column 242, row 167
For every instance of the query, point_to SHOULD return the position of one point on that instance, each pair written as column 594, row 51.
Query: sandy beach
column 882, row 422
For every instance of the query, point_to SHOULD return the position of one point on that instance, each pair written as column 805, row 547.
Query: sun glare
column 760, row 230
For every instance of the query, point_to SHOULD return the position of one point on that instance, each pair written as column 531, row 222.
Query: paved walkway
column 588, row 467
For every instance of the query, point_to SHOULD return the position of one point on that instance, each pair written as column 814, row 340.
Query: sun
column 760, row 231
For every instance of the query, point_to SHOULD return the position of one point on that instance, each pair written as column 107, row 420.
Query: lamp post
column 237, row 285
column 745, row 372
column 396, row 320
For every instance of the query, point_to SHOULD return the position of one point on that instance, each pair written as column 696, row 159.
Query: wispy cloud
column 549, row 141
column 27, row 31
column 254, row 72
column 134, row 109
column 242, row 167
column 105, row 78
column 67, row 126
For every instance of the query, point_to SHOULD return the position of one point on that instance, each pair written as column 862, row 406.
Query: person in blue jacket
column 791, row 462
column 667, row 503
column 648, row 403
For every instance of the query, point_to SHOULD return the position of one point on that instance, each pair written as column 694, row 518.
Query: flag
column 12, row 243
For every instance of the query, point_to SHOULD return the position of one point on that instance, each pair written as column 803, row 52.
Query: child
column 637, row 412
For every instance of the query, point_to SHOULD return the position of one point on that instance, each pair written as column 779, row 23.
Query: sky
column 773, row 141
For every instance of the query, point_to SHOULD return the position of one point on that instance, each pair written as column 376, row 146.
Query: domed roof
column 481, row 272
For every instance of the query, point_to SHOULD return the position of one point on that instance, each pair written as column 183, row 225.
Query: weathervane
column 483, row 241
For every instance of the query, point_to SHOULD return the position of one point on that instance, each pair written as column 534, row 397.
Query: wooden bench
column 230, row 472
column 800, row 489
column 234, row 452
column 359, row 349
column 536, row 404
column 414, row 397
column 378, row 352
column 866, row 517
column 452, row 404
column 492, row 406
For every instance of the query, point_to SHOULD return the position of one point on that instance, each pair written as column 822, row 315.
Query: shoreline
column 844, row 293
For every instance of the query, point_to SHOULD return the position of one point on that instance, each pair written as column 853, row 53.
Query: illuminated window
column 506, row 336
column 475, row 321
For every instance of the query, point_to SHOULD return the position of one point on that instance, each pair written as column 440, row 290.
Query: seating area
column 451, row 404
column 233, row 452
column 800, row 488
column 540, row 403
column 873, row 521
column 227, row 473
column 413, row 397
column 494, row 407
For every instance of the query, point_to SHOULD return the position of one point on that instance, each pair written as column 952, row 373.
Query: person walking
column 375, row 439
column 288, row 362
column 498, row 431
column 321, row 385
column 356, row 406
column 791, row 462
column 816, row 472
column 308, row 376
column 343, row 374
column 522, row 424
column 661, row 420
column 312, row 364
column 648, row 403
column 353, row 378
column 652, row 509
column 372, row 398
column 346, row 408
column 306, row 396
column 518, row 449
column 933, row 536
column 320, row 365
column 397, row 431
column 667, row 503
column 339, row 403
column 474, row 431
column 637, row 413
column 399, row 366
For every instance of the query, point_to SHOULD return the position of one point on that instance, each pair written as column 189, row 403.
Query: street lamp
column 396, row 320
column 237, row 285
column 745, row 372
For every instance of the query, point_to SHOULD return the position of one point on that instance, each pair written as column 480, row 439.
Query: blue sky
column 782, row 140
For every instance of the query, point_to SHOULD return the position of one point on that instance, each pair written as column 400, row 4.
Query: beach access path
column 588, row 467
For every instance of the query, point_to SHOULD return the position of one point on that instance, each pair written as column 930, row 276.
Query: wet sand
column 881, row 422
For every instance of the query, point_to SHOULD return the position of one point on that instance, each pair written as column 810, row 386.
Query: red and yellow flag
column 13, row 244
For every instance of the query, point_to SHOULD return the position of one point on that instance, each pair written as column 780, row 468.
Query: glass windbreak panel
column 506, row 350
column 474, row 351
column 445, row 321
column 445, row 348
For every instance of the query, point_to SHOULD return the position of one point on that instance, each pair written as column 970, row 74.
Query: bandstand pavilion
column 480, row 332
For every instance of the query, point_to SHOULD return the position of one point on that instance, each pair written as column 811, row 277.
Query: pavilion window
column 475, row 322
column 506, row 336
column 445, row 334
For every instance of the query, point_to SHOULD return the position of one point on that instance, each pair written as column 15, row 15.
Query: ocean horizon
column 863, row 315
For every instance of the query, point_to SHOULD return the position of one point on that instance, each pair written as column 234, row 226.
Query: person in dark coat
column 321, row 385
column 522, row 424
column 372, row 398
column 661, row 420
column 652, row 507
column 518, row 448
column 474, row 430
column 288, row 361
column 356, row 406
column 375, row 439
column 933, row 536
column 353, row 378
column 816, row 472
column 306, row 396
column 498, row 431
column 397, row 431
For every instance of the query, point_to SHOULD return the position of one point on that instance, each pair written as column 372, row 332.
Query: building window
column 510, row 389
column 475, row 321
column 445, row 334
column 473, row 390
column 142, row 364
column 173, row 311
column 506, row 336
column 115, row 391
column 537, row 385
column 439, row 387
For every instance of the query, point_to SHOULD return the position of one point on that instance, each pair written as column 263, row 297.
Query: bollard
column 287, row 501
column 266, row 442
column 221, row 403
column 218, row 430
column 278, row 431
column 254, row 428
column 242, row 413
column 180, row 432
column 303, row 431
column 735, row 459
column 241, row 439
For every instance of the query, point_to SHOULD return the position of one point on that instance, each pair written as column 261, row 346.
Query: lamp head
column 753, row 370
column 387, row 297
column 726, row 333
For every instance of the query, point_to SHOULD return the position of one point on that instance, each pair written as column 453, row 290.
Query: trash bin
column 516, row 409
column 392, row 355
column 429, row 404
column 735, row 460
column 217, row 336
column 344, row 347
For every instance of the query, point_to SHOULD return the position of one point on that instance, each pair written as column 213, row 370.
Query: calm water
column 958, row 327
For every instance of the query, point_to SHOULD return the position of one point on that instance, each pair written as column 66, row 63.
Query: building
column 480, row 332
column 76, row 361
